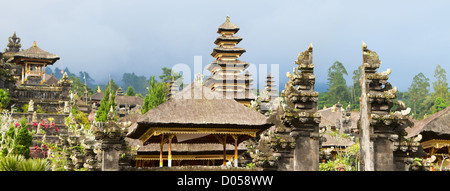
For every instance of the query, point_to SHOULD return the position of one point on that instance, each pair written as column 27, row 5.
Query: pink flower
column 34, row 124
column 17, row 124
column 56, row 129
column 46, row 125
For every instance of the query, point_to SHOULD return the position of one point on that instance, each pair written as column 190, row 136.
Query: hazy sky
column 113, row 37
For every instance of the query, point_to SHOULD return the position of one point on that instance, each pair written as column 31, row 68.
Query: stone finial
column 111, row 114
column 198, row 79
column 364, row 45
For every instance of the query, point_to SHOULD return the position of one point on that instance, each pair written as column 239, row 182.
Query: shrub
column 19, row 163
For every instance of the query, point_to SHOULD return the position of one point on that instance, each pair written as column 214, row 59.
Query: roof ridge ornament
column 34, row 43
column 198, row 79
column 227, row 19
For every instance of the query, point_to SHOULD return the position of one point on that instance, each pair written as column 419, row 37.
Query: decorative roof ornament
column 227, row 19
column 198, row 79
column 14, row 44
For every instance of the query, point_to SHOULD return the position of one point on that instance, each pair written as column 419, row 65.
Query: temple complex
column 219, row 123
column 226, row 69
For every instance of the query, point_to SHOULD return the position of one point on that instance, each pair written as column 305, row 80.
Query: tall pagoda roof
column 227, row 26
column 219, row 49
column 228, row 38
column 34, row 52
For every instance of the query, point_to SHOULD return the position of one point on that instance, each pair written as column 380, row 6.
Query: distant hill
column 321, row 86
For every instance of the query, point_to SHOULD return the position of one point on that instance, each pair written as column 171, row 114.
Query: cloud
column 103, row 37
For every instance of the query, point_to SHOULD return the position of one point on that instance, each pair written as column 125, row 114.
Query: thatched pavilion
column 198, row 120
column 435, row 134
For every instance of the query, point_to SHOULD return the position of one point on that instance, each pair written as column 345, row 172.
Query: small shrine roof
column 35, row 52
column 128, row 100
column 228, row 26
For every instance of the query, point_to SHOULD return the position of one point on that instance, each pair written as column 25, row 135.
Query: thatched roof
column 198, row 106
column 51, row 79
column 36, row 53
column 437, row 124
column 333, row 142
column 129, row 100
column 97, row 96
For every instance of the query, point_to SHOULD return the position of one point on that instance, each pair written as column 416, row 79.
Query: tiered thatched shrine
column 226, row 70
column 193, row 117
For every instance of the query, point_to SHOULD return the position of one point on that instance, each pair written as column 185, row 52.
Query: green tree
column 18, row 140
column 105, row 105
column 112, row 85
column 4, row 99
column 338, row 90
column 418, row 90
column 130, row 91
column 356, row 89
column 79, row 87
column 440, row 86
column 157, row 94
column 139, row 83
column 439, row 104
column 168, row 74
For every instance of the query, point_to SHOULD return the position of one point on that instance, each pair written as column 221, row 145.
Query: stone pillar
column 112, row 139
column 382, row 128
column 111, row 152
column 306, row 152
column 296, row 138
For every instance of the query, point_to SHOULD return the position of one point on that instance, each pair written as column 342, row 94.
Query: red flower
column 17, row 124
column 46, row 125
column 56, row 129
column 34, row 124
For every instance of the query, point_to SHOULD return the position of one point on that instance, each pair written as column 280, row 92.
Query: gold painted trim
column 156, row 131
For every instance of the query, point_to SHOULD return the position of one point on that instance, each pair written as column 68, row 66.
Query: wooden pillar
column 43, row 78
column 235, row 137
column 161, row 151
column 169, row 158
column 26, row 72
column 225, row 150
column 23, row 73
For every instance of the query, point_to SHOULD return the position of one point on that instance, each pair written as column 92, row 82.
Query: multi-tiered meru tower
column 226, row 69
